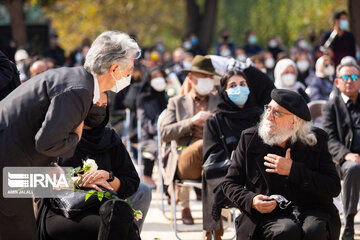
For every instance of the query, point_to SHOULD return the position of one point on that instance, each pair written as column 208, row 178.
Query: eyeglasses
column 353, row 77
column 276, row 113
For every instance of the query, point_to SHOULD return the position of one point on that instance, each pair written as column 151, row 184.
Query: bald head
column 37, row 67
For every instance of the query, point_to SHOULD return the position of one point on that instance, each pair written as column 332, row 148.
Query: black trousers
column 313, row 225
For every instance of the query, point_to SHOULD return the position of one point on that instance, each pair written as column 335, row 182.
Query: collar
column 197, row 97
column 96, row 97
column 345, row 98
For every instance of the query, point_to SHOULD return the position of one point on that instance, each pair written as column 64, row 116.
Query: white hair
column 111, row 47
column 302, row 132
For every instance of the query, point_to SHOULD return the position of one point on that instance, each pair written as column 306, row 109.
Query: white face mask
column 269, row 63
column 241, row 57
column 303, row 65
column 204, row 86
column 159, row 84
column 121, row 84
column 329, row 70
column 288, row 79
column 225, row 53
column 273, row 43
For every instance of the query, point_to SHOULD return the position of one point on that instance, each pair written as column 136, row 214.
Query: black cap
column 292, row 101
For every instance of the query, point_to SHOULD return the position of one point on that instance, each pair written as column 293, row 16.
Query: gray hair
column 111, row 47
column 303, row 133
column 346, row 64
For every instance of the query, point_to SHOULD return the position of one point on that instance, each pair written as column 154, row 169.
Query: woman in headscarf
column 151, row 102
column 236, row 113
column 285, row 77
column 321, row 86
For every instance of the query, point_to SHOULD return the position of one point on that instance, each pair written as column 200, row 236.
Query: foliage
column 286, row 18
column 148, row 20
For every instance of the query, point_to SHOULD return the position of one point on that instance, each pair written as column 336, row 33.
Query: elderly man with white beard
column 282, row 177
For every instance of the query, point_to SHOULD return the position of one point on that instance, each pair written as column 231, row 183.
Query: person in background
column 275, row 46
column 321, row 86
column 258, row 61
column 54, row 51
column 195, row 47
column 22, row 61
column 37, row 67
column 183, row 123
column 304, row 66
column 236, row 113
column 240, row 54
column 284, row 159
column 269, row 62
column 151, row 101
column 285, row 77
column 251, row 47
column 341, row 121
column 226, row 43
column 344, row 42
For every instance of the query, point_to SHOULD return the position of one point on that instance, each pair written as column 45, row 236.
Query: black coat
column 233, row 121
column 37, row 123
column 313, row 180
column 337, row 123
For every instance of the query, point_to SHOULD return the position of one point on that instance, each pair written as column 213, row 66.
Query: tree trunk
column 17, row 19
column 202, row 25
column 354, row 18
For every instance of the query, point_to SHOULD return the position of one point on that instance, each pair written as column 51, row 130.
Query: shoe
column 186, row 216
column 348, row 233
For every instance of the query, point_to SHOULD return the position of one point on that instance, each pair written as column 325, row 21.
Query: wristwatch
column 111, row 177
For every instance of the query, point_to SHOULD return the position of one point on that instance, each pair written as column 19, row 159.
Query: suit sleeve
column 56, row 137
column 325, row 181
column 6, row 74
column 235, row 180
column 172, row 129
column 336, row 148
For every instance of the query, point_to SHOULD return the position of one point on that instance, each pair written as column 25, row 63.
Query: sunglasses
column 353, row 77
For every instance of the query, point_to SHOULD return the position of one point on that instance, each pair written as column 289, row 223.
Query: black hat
column 291, row 101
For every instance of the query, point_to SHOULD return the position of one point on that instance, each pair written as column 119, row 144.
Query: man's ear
column 336, row 81
column 113, row 68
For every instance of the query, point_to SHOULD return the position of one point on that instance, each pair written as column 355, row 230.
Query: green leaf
column 108, row 195
column 80, row 181
column 89, row 195
column 129, row 202
column 100, row 196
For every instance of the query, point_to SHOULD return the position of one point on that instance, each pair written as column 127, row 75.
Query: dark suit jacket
column 313, row 180
column 337, row 123
column 38, row 119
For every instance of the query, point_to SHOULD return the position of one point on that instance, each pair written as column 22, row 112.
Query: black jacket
column 313, row 180
column 9, row 76
column 233, row 121
column 337, row 123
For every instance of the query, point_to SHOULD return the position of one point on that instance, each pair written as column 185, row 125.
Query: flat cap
column 292, row 101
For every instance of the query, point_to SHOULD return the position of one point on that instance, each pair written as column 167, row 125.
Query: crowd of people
column 245, row 105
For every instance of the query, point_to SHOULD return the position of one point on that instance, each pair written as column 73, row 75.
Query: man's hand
column 200, row 118
column 79, row 130
column 354, row 157
column 278, row 164
column 260, row 204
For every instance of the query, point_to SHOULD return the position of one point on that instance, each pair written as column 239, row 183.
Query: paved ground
column 158, row 227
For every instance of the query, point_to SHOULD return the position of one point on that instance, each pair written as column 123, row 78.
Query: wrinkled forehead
column 275, row 106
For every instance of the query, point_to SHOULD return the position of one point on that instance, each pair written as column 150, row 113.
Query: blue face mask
column 252, row 39
column 238, row 95
column 194, row 41
column 344, row 24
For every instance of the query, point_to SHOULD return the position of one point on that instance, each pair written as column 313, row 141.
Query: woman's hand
column 91, row 177
column 94, row 183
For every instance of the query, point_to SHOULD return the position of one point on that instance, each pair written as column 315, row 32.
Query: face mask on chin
column 204, row 86
column 120, row 84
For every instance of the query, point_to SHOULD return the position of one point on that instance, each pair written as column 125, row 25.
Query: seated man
column 284, row 156
column 183, row 122
column 341, row 120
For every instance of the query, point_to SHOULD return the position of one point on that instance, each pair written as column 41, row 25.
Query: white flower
column 91, row 164
column 138, row 215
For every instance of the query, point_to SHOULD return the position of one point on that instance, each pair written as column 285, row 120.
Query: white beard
column 278, row 136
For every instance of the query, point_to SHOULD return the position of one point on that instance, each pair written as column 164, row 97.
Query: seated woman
column 151, row 101
column 115, row 172
column 236, row 112
column 285, row 77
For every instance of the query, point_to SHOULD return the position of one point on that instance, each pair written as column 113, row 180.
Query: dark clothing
column 302, row 76
column 104, row 146
column 57, row 53
column 37, row 123
column 354, row 110
column 130, row 102
column 260, row 86
column 8, row 80
column 312, row 183
column 320, row 88
column 233, row 120
column 342, row 46
column 338, row 123
column 251, row 50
